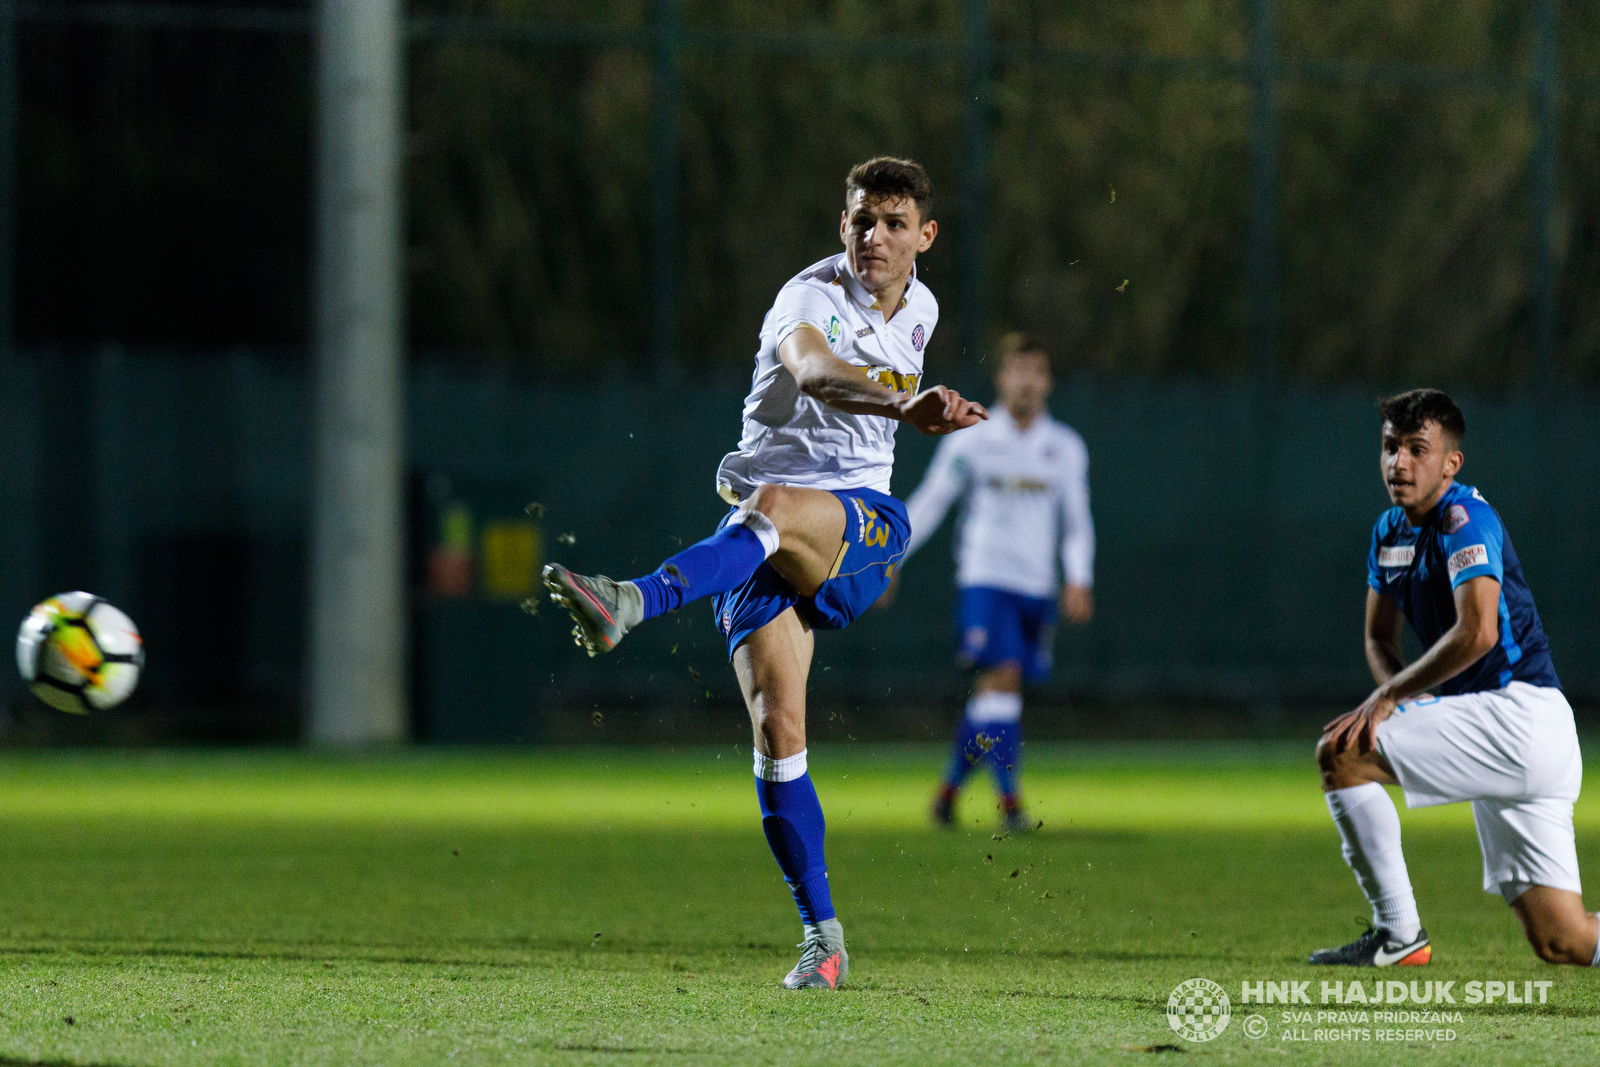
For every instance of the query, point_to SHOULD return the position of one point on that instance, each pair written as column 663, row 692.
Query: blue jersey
column 1420, row 567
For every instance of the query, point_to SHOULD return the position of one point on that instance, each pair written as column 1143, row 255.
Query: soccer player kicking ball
column 813, row 533
column 1023, row 480
column 1500, row 732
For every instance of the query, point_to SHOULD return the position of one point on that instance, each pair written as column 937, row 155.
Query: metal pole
column 8, row 175
column 358, row 625
column 664, row 192
column 975, row 181
column 1264, row 328
column 1263, row 196
column 1546, row 102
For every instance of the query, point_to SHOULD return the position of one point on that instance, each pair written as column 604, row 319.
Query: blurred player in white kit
column 1022, row 480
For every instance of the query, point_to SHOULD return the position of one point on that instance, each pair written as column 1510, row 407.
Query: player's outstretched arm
column 825, row 377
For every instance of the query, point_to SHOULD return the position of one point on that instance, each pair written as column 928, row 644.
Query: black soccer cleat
column 1378, row 948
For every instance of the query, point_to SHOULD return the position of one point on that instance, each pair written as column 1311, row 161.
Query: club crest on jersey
column 833, row 329
column 918, row 337
column 1455, row 518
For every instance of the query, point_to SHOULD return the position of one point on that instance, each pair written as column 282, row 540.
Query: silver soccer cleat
column 602, row 609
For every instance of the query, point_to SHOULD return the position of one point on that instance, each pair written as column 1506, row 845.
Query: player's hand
column 891, row 592
column 1077, row 603
column 941, row 410
column 1360, row 727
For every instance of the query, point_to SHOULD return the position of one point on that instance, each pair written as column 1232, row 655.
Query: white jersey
column 1025, row 497
column 790, row 438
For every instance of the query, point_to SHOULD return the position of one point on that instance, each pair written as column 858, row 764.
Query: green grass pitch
column 620, row 907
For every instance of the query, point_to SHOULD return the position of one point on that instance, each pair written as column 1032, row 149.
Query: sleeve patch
column 1396, row 555
column 1471, row 556
column 1455, row 518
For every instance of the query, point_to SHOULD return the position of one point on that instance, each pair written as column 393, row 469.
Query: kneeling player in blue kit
column 1497, row 731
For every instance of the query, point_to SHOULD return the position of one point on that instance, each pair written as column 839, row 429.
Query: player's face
column 882, row 238
column 1023, row 384
column 1417, row 466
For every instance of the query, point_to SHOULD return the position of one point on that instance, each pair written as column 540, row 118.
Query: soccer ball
column 76, row 652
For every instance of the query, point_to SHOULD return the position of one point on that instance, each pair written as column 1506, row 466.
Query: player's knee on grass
column 1556, row 925
column 1560, row 945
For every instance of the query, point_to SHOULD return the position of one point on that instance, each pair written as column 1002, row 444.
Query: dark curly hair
column 886, row 176
column 1409, row 412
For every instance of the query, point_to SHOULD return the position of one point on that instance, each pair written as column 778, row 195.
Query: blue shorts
column 875, row 533
column 999, row 626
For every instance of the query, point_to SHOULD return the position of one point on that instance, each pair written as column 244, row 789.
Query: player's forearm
column 1458, row 649
column 846, row 388
column 1384, row 660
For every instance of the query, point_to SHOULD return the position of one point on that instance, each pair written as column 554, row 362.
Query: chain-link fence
column 1372, row 192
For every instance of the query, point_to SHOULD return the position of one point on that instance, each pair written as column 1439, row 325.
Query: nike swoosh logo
column 1380, row 958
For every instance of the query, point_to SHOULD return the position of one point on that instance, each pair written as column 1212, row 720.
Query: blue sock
column 791, row 815
column 721, row 562
column 1005, row 757
column 965, row 754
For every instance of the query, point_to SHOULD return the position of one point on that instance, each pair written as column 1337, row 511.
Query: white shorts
column 1514, row 753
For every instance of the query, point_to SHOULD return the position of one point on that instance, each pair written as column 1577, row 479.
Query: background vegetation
column 165, row 199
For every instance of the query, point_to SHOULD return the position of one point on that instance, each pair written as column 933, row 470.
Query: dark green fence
column 178, row 487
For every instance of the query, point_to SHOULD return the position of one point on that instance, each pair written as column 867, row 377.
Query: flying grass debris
column 572, row 539
column 534, row 510
column 1123, row 287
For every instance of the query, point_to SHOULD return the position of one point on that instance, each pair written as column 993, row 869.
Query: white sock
column 991, row 705
column 760, row 525
column 781, row 770
column 1370, row 827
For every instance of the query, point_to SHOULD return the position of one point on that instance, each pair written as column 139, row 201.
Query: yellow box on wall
column 510, row 553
